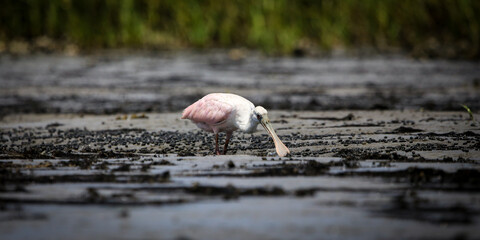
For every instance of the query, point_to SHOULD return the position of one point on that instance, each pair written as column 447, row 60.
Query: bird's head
column 262, row 116
column 260, row 113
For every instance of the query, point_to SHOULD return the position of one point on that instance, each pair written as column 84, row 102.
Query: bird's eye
column 259, row 117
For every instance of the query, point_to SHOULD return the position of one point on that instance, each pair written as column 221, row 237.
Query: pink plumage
column 209, row 110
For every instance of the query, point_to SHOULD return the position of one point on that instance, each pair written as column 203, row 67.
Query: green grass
column 470, row 113
column 449, row 28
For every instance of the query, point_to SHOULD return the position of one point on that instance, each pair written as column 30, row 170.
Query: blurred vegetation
column 445, row 28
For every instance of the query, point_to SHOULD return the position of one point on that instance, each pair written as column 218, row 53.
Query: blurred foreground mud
column 348, row 170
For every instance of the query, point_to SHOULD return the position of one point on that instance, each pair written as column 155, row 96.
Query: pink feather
column 210, row 110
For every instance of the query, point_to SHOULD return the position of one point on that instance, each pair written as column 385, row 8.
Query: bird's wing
column 208, row 110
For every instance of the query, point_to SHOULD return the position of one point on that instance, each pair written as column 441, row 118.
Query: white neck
column 249, row 123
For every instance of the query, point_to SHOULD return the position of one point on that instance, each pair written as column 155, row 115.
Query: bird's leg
column 217, row 151
column 227, row 140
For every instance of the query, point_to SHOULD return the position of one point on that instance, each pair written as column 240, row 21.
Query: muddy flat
column 381, row 148
column 351, row 174
column 167, row 82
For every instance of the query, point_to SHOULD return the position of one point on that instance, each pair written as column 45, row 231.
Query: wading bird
column 224, row 112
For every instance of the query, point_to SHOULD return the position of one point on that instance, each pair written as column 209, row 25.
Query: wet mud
column 386, row 160
column 429, row 172
column 115, row 83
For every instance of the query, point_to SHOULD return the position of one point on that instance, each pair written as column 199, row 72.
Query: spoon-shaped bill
column 281, row 149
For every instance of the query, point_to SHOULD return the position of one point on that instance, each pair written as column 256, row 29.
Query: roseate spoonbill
column 225, row 112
